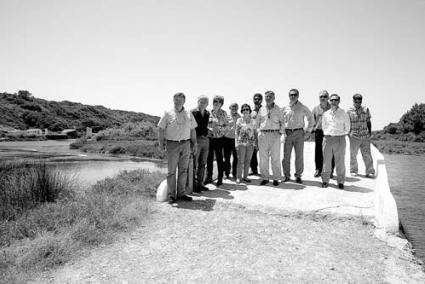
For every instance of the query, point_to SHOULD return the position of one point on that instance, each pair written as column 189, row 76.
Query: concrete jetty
column 368, row 198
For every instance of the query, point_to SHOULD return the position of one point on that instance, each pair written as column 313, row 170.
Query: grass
column 51, row 233
column 399, row 147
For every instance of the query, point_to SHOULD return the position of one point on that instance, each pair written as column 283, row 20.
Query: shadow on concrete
column 353, row 188
column 288, row 185
column 313, row 183
column 351, row 179
column 203, row 205
column 232, row 187
column 217, row 193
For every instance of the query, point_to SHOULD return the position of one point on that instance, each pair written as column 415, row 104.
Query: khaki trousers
column 269, row 149
column 334, row 146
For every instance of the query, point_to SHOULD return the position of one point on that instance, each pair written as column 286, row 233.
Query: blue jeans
column 178, row 157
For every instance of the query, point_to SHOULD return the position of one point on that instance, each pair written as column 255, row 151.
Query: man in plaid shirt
column 361, row 129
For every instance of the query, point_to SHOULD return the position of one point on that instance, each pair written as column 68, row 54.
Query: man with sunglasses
column 295, row 113
column 318, row 132
column 258, row 100
column 336, row 125
column 176, row 130
column 361, row 130
column 270, row 123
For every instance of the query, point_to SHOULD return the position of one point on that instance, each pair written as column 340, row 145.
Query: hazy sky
column 134, row 55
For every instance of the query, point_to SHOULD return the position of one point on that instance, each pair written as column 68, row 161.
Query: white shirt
column 335, row 123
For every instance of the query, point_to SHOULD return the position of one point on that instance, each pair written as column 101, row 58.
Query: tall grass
column 25, row 184
column 53, row 232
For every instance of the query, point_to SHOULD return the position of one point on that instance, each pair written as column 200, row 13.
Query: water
column 86, row 168
column 406, row 175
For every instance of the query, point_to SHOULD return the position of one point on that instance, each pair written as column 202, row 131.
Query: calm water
column 407, row 182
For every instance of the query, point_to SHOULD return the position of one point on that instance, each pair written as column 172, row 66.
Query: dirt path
column 217, row 242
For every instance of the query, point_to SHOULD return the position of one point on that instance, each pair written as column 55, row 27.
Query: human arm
column 369, row 123
column 347, row 123
column 310, row 119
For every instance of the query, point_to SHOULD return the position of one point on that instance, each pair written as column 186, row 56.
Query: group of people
column 239, row 142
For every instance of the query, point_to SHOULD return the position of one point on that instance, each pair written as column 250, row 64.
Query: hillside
column 23, row 111
column 406, row 136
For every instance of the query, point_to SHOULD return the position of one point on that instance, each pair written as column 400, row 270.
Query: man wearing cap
column 176, row 130
column 270, row 124
column 258, row 99
column 336, row 125
column 318, row 132
column 202, row 116
column 295, row 113
column 361, row 130
column 229, row 143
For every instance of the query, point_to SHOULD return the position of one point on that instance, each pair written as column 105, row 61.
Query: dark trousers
column 318, row 151
column 216, row 147
column 230, row 150
column 254, row 162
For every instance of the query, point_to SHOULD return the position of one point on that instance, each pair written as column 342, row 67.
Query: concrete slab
column 361, row 196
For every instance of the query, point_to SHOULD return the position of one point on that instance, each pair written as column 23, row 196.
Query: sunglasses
column 324, row 97
column 334, row 100
column 215, row 102
column 293, row 95
column 244, row 109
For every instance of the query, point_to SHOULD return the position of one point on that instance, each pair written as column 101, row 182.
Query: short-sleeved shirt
column 218, row 125
column 294, row 116
column 358, row 119
column 335, row 123
column 232, row 123
column 270, row 118
column 317, row 115
column 245, row 132
column 177, row 124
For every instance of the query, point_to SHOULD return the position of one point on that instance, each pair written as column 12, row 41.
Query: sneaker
column 264, row 182
column 172, row 200
column 275, row 182
column 299, row 180
column 246, row 180
column 340, row 186
column 370, row 175
column 286, row 179
column 325, row 184
column 317, row 173
column 185, row 198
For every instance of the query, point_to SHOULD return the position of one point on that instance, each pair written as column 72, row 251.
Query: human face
column 258, row 100
column 179, row 102
column 216, row 105
column 203, row 103
column 269, row 98
column 357, row 103
column 293, row 96
column 234, row 109
column 334, row 101
column 245, row 112
column 324, row 99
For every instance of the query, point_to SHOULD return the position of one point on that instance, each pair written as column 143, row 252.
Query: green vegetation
column 56, row 228
column 135, row 139
column 405, row 137
column 23, row 111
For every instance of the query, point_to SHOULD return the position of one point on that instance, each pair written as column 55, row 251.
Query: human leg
column 218, row 151
column 234, row 154
column 227, row 145
column 318, row 150
column 367, row 156
column 246, row 160
column 354, row 150
column 287, row 151
column 173, row 159
column 275, row 156
column 210, row 161
column 327, row 158
column 299, row 152
column 339, row 154
column 264, row 155
column 183, row 163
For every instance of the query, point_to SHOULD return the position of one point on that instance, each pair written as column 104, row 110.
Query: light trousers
column 364, row 146
column 269, row 149
column 245, row 155
column 178, row 157
column 294, row 139
column 334, row 146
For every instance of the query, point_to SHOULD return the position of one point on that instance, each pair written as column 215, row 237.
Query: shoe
column 317, row 173
column 286, row 179
column 325, row 184
column 353, row 174
column 203, row 188
column 370, row 175
column 185, row 198
column 340, row 186
column 275, row 182
column 246, row 180
column 172, row 200
column 299, row 180
column 264, row 182
column 219, row 182
column 332, row 175
column 238, row 181
column 208, row 180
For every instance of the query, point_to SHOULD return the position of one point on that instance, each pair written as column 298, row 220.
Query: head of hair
column 269, row 93
column 294, row 91
column 202, row 97
column 232, row 105
column 335, row 95
column 323, row 93
column 246, row 106
column 176, row 95
column 258, row 95
column 357, row 97
column 219, row 98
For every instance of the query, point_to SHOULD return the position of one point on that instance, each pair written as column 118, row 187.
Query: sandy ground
column 209, row 242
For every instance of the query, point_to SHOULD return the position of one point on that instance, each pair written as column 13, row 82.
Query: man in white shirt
column 336, row 125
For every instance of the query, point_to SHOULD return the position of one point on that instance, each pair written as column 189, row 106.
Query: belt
column 292, row 130
column 178, row 141
column 269, row 130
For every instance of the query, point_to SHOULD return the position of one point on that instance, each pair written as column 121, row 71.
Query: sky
column 134, row 55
